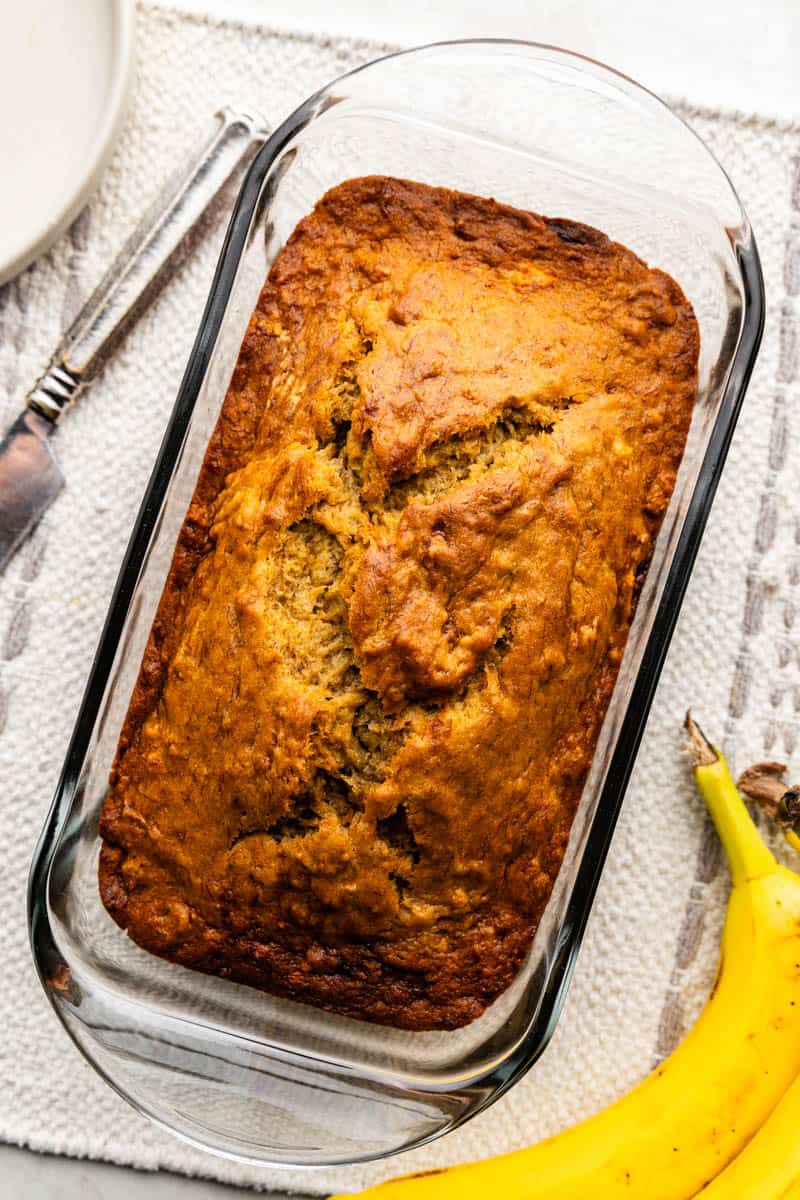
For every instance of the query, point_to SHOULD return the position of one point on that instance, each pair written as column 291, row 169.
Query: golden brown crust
column 398, row 604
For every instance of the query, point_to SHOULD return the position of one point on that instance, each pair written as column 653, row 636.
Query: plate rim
column 100, row 148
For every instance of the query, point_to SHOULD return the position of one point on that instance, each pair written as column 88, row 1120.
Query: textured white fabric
column 650, row 948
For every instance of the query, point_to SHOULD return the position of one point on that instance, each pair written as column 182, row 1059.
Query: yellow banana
column 769, row 1166
column 679, row 1128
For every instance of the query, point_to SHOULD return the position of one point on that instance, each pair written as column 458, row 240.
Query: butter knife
column 30, row 477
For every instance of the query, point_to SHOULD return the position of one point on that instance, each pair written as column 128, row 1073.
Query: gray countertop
column 28, row 1176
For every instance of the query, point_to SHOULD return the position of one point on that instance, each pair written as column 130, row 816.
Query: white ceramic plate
column 65, row 66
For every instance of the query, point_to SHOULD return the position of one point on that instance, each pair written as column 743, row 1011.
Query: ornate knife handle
column 131, row 281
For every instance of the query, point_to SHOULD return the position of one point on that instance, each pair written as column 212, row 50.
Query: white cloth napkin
column 650, row 949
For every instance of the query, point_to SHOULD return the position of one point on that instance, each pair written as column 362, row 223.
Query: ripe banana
column 769, row 1166
column 680, row 1128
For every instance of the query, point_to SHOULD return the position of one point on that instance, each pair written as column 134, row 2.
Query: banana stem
column 763, row 784
column 747, row 855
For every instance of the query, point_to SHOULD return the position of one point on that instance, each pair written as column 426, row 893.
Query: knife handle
column 132, row 280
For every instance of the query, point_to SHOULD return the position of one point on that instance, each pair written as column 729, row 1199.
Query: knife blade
column 30, row 477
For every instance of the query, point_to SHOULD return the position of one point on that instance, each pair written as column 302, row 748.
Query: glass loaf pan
column 225, row 1066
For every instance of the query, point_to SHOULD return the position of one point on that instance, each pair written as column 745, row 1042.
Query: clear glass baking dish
column 224, row 1066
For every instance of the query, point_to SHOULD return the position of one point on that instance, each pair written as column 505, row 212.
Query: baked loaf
column 398, row 604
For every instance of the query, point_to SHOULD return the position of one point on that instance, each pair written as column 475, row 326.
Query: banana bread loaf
column 398, row 604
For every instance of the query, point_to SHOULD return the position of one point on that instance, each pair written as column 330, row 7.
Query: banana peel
column 682, row 1126
column 769, row 1166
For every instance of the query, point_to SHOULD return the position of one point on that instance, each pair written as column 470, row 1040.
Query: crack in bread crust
column 398, row 605
column 470, row 454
